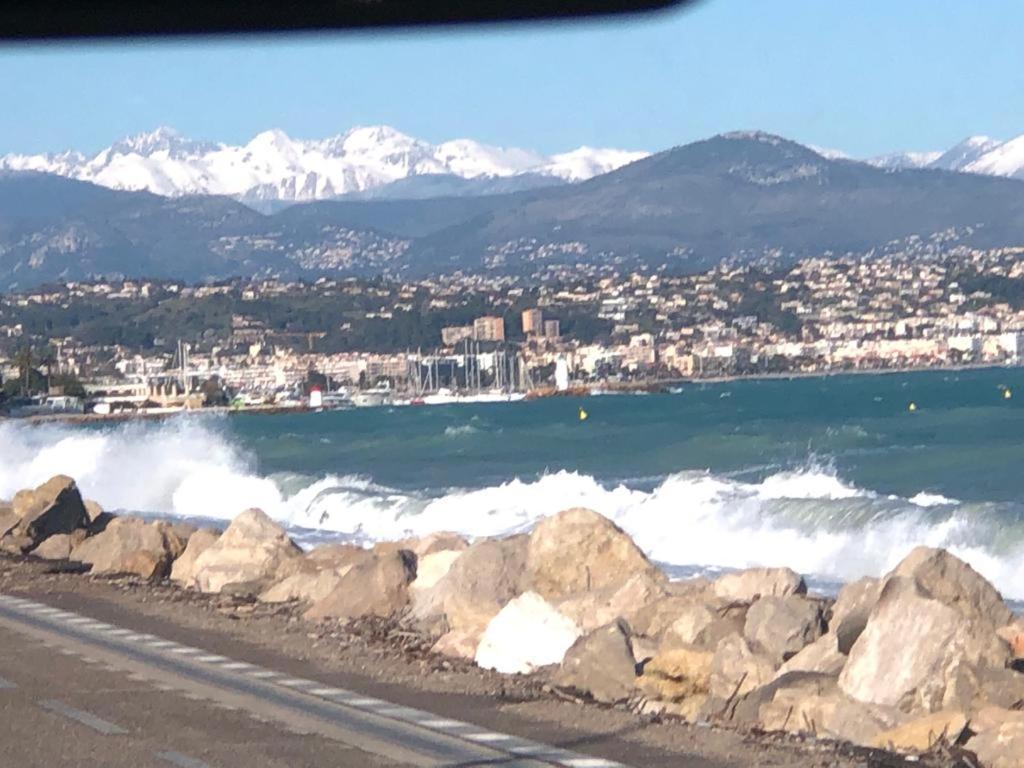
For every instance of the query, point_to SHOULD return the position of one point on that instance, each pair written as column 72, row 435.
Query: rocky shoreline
column 923, row 661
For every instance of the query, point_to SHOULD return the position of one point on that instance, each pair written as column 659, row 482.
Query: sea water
column 835, row 476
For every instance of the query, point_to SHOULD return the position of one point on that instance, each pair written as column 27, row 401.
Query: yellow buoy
column 912, row 407
column 583, row 415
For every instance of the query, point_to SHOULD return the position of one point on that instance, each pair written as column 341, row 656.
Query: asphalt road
column 77, row 691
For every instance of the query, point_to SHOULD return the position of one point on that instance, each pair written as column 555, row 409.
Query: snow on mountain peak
column 274, row 166
column 971, row 149
column 163, row 139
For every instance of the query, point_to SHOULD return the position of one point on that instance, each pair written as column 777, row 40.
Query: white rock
column 431, row 568
column 526, row 634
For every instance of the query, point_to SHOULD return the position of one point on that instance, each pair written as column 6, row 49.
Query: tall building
column 552, row 329
column 489, row 328
column 533, row 321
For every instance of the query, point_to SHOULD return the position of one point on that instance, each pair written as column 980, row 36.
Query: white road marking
column 237, row 665
column 180, row 760
column 212, row 658
column 296, row 682
column 507, row 743
column 264, row 673
column 80, row 716
column 441, row 723
column 327, row 691
column 487, row 737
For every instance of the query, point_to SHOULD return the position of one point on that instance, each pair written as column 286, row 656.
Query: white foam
column 924, row 499
column 808, row 519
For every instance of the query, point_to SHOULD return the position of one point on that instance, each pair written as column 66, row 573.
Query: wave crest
column 809, row 519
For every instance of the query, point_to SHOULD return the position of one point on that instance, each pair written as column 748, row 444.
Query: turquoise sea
column 835, row 476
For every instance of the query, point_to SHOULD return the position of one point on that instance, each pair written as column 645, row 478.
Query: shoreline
column 608, row 389
column 573, row 612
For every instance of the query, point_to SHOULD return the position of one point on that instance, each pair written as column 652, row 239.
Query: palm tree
column 23, row 359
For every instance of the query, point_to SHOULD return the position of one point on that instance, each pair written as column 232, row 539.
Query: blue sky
column 865, row 77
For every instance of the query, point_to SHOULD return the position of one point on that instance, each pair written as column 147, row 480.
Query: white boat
column 368, row 398
column 335, row 401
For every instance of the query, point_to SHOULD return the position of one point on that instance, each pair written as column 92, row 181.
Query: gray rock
column 479, row 583
column 737, row 669
column 184, row 564
column 579, row 550
column 851, row 610
column 54, row 507
column 128, row 545
column 914, row 649
column 601, row 663
column 822, row 656
column 377, row 587
column 780, row 627
column 253, row 548
column 750, row 584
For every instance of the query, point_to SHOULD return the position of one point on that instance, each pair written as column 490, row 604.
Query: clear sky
column 865, row 77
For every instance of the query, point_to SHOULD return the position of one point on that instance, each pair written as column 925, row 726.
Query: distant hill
column 735, row 196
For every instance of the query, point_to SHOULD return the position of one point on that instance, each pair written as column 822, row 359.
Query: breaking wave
column 809, row 519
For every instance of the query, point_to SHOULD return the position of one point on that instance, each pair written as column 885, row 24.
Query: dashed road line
column 510, row 745
column 81, row 716
column 180, row 760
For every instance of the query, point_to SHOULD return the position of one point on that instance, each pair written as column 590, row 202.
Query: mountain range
column 379, row 162
column 737, row 197
column 976, row 154
column 274, row 167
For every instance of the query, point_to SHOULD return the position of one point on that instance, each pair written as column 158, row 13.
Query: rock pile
column 926, row 654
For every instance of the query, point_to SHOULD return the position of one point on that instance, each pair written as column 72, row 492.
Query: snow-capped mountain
column 276, row 167
column 976, row 154
column 900, row 160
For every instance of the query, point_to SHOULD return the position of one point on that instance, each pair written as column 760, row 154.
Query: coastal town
column 111, row 346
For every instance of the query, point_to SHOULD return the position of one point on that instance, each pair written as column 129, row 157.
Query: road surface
column 78, row 691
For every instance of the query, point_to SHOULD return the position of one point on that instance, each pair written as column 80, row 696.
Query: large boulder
column 703, row 624
column 677, row 675
column 251, row 550
column 782, row 626
column 375, row 587
column 439, row 541
column 477, row 585
column 128, row 545
column 434, row 566
column 752, row 583
column 59, row 546
column 756, row 707
column 851, row 610
column 316, row 574
column 1000, row 746
column 737, row 669
column 811, row 703
column 54, row 507
column 601, row 663
column 9, row 519
column 579, row 550
column 923, row 733
column 822, row 656
column 528, row 633
column 952, row 582
column 182, row 570
column 599, row 607
column 915, row 649
column 305, row 587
